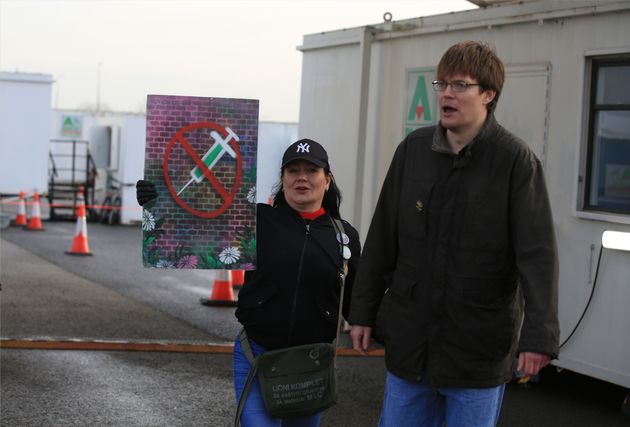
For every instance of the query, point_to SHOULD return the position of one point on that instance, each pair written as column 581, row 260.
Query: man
column 459, row 270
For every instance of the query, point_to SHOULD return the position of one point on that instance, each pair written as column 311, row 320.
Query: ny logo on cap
column 303, row 148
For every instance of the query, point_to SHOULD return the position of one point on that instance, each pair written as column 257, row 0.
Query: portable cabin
column 567, row 94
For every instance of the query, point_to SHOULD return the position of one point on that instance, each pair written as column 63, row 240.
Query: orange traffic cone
column 20, row 218
column 80, row 242
column 35, row 222
column 238, row 278
column 222, row 293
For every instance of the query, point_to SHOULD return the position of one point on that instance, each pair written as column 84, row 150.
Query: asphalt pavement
column 48, row 295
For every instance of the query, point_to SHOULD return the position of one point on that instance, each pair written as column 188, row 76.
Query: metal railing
column 71, row 166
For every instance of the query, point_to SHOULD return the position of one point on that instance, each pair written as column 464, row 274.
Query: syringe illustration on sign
column 213, row 155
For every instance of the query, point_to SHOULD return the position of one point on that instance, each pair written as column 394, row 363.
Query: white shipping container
column 25, row 100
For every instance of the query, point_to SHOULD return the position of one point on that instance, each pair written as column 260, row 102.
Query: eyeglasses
column 457, row 85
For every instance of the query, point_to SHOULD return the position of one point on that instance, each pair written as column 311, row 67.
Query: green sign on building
column 71, row 125
column 421, row 101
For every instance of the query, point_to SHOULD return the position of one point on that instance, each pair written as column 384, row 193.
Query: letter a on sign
column 421, row 101
column 420, row 110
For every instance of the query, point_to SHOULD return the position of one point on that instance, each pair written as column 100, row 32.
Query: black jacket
column 458, row 246
column 292, row 297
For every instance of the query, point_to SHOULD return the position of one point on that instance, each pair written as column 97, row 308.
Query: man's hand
column 531, row 363
column 145, row 192
column 361, row 336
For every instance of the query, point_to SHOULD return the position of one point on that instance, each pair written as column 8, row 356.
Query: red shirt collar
column 313, row 215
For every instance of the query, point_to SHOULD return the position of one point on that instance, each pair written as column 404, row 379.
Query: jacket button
column 327, row 313
column 419, row 206
column 259, row 302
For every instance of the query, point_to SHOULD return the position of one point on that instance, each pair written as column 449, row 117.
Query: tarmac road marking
column 102, row 345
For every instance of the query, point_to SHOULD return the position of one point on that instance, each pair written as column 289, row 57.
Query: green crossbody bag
column 296, row 381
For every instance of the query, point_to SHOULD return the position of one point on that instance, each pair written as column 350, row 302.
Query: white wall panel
column 24, row 117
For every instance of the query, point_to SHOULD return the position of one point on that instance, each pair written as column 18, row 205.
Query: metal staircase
column 70, row 169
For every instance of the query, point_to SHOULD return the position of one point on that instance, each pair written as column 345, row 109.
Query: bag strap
column 250, row 376
column 246, row 347
column 247, row 350
column 338, row 226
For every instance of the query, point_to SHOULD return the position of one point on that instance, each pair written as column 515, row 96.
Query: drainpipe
column 366, row 50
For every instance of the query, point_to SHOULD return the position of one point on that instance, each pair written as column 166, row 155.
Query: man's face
column 460, row 111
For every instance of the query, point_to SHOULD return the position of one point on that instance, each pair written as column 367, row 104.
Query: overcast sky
column 235, row 49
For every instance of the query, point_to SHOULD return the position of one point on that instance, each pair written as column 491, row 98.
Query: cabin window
column 608, row 162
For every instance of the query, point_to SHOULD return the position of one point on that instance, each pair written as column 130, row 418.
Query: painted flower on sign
column 248, row 266
column 165, row 263
column 148, row 221
column 229, row 255
column 187, row 261
column 251, row 195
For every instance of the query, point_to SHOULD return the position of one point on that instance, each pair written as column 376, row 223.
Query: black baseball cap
column 306, row 149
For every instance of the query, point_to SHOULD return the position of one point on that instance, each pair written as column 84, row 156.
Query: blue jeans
column 254, row 412
column 416, row 404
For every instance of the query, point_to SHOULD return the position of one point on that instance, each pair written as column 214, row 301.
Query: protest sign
column 201, row 157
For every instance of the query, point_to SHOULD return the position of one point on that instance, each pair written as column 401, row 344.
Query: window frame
column 594, row 63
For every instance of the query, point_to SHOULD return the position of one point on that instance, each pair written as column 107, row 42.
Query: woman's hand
column 145, row 192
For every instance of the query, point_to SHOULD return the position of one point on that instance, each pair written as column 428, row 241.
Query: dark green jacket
column 457, row 247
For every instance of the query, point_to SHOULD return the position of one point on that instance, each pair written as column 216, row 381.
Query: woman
column 292, row 297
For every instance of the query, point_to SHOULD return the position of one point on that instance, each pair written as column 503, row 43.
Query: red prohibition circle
column 228, row 196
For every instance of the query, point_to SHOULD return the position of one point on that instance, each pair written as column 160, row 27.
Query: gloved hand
column 145, row 192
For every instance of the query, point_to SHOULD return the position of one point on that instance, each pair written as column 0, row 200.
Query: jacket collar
column 440, row 143
column 322, row 222
column 288, row 210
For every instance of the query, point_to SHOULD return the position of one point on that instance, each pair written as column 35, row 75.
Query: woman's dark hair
column 332, row 197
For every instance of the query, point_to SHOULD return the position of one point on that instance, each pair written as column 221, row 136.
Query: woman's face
column 304, row 185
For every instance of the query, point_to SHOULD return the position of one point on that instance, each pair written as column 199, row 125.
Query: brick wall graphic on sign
column 201, row 156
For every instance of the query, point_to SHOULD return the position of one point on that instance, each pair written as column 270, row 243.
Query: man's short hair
column 477, row 60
